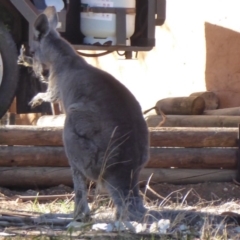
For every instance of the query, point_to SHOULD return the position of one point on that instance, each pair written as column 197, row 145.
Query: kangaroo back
column 105, row 135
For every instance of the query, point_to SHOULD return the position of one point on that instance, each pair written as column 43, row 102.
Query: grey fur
column 51, row 95
column 37, row 67
column 105, row 135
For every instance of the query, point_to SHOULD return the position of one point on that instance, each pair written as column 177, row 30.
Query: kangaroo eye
column 32, row 52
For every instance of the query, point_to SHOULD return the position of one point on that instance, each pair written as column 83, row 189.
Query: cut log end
column 210, row 98
column 181, row 106
column 198, row 106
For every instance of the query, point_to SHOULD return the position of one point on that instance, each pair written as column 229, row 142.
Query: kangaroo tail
column 146, row 111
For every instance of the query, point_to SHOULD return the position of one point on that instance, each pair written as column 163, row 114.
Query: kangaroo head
column 45, row 32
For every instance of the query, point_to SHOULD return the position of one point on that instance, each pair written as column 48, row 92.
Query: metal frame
column 29, row 11
column 121, row 27
column 160, row 11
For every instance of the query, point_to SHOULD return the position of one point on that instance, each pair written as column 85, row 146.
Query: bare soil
column 205, row 192
column 224, row 198
column 191, row 193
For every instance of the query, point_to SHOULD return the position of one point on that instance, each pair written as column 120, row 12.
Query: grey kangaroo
column 105, row 136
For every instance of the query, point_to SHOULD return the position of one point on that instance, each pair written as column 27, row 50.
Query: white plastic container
column 101, row 27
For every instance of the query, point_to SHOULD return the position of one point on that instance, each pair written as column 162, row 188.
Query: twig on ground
column 44, row 197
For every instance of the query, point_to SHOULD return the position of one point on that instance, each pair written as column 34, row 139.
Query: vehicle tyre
column 8, row 69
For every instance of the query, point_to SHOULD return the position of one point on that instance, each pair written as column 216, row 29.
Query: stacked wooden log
column 33, row 156
column 197, row 110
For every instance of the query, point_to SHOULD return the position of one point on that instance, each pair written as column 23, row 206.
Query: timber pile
column 33, row 156
column 197, row 110
column 193, row 121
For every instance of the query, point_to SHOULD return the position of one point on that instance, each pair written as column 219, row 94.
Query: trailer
column 132, row 29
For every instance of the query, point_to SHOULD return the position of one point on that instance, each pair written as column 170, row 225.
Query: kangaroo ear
column 41, row 26
column 52, row 16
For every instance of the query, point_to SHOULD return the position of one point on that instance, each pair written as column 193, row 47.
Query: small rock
column 140, row 227
column 107, row 227
column 130, row 226
column 119, row 226
column 225, row 189
column 183, row 227
column 154, row 227
column 122, row 226
column 76, row 225
column 163, row 225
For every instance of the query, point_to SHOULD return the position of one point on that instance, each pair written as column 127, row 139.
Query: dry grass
column 205, row 220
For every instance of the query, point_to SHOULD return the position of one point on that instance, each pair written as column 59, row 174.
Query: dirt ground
column 191, row 193
column 194, row 193
column 221, row 199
